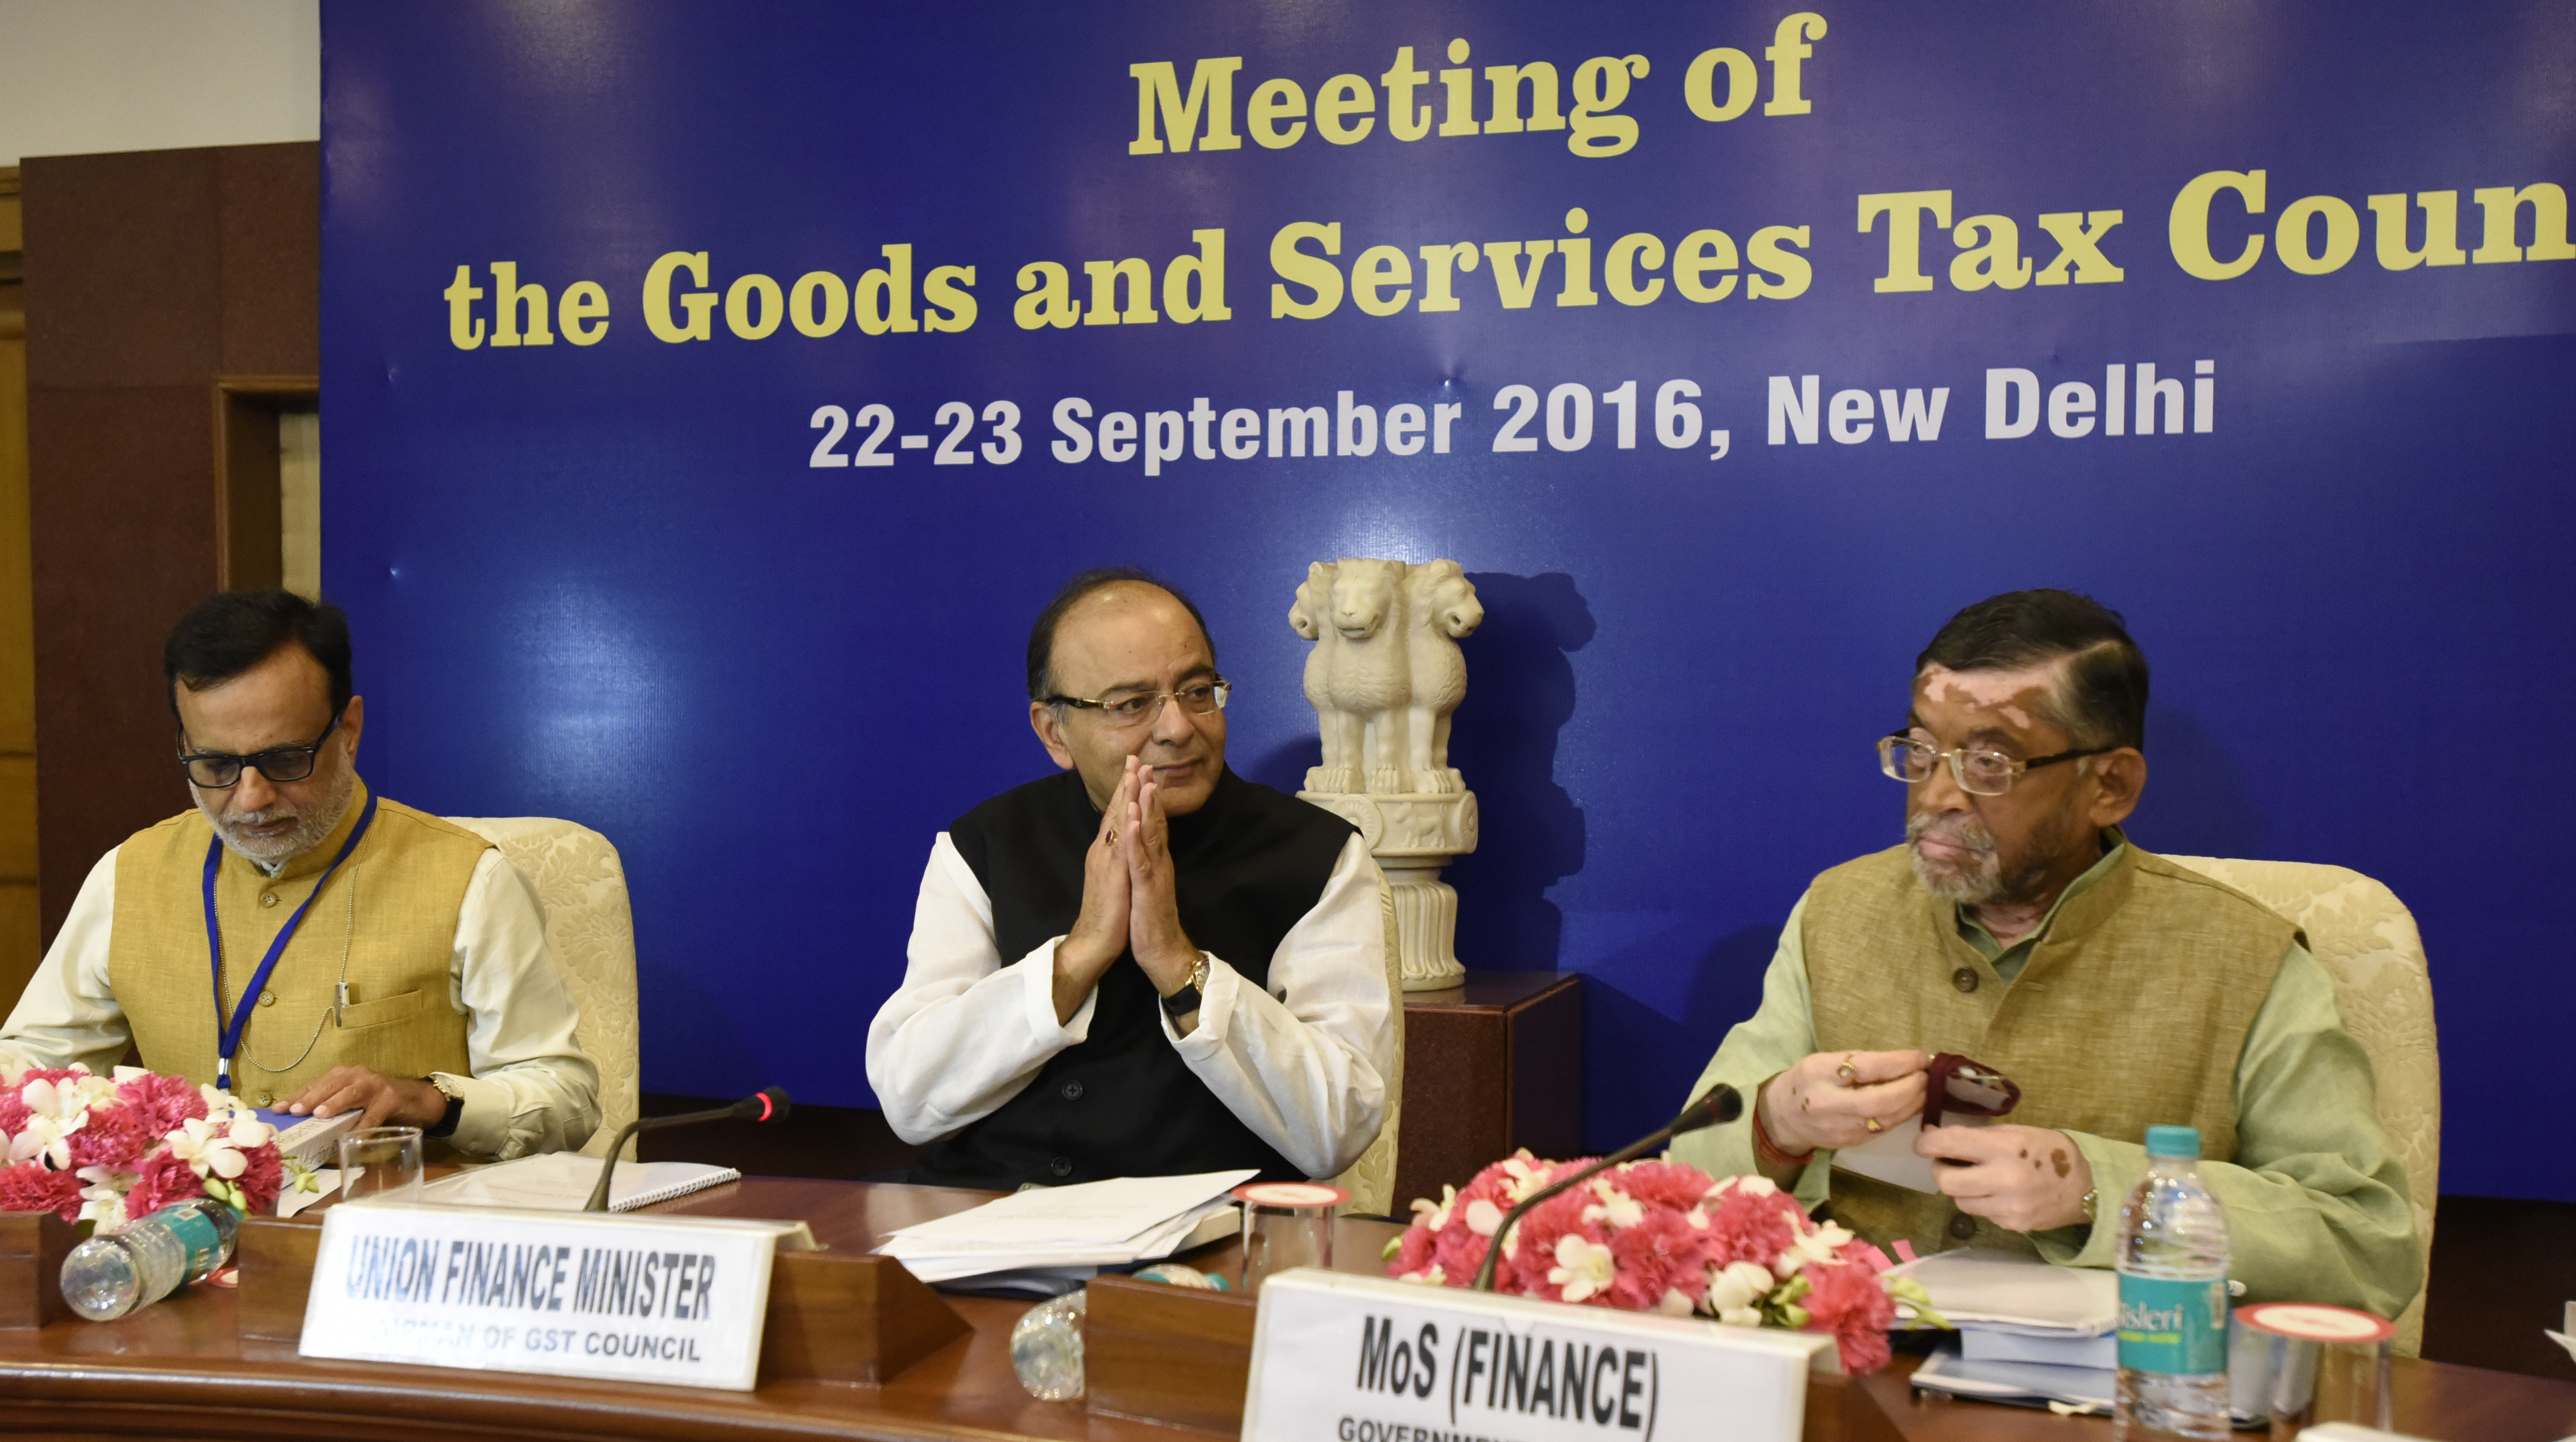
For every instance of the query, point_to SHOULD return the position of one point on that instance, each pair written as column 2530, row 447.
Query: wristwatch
column 455, row 1106
column 1186, row 1000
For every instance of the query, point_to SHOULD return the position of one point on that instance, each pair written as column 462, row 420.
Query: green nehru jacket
column 2316, row 1199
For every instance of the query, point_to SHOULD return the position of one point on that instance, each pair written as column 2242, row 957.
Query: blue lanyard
column 230, row 1040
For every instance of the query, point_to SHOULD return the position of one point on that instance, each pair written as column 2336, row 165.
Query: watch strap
column 446, row 1126
column 1192, row 994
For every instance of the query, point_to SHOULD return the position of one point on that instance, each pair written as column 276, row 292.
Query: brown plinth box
column 833, row 1316
column 1167, row 1354
column 1491, row 1065
column 32, row 1248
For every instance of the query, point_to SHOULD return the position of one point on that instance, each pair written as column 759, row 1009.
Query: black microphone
column 766, row 1105
column 1718, row 1105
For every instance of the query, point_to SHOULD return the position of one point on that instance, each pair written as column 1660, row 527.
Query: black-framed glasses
column 217, row 770
column 1978, row 770
column 1199, row 698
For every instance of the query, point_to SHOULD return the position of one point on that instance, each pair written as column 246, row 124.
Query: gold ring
column 1111, row 839
column 1849, row 1073
column 1872, row 1124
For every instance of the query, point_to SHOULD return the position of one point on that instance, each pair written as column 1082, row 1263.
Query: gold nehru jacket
column 2130, row 1013
column 386, row 925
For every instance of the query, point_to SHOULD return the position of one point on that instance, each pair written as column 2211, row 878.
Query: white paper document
column 2008, row 1293
column 1093, row 1224
column 1889, row 1157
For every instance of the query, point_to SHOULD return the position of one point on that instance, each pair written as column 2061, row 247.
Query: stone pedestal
column 1414, row 836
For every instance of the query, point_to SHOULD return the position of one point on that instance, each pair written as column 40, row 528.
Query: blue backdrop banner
column 716, row 392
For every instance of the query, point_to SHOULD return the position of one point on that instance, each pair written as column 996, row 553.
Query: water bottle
column 1046, row 1348
column 2173, row 1299
column 106, row 1277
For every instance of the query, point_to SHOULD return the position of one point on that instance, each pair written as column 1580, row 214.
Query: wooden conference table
column 181, row 1369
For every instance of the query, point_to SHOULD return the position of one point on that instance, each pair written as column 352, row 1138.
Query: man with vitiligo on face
column 2019, row 939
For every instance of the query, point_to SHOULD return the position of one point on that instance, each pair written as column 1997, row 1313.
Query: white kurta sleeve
column 533, row 1089
column 964, row 1033
column 67, row 1013
column 1304, row 1064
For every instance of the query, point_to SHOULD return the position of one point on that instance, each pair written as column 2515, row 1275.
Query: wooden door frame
column 173, row 307
column 248, row 524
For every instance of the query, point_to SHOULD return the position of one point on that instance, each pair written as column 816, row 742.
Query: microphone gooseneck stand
column 1720, row 1104
column 766, row 1105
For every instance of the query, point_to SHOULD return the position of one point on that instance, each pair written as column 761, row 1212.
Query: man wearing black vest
column 1143, row 965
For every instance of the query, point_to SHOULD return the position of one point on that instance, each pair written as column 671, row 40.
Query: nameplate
column 1365, row 1359
column 630, row 1298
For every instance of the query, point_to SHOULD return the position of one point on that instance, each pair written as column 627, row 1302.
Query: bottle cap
column 2173, row 1142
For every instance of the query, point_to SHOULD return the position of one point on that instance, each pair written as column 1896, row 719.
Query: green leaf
column 1910, row 1292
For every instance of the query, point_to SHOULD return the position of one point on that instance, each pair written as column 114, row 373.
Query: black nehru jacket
column 1247, row 866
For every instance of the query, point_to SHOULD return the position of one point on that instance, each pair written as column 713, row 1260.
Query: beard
column 1981, row 878
column 1970, row 882
column 312, row 823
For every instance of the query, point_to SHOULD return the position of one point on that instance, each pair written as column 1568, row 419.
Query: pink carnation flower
column 162, row 1179
column 1751, row 1224
column 1663, row 1184
column 1539, row 1249
column 34, row 1187
column 164, row 1102
column 114, row 1137
column 1448, row 1241
column 1662, row 1253
column 262, row 1175
column 1849, row 1301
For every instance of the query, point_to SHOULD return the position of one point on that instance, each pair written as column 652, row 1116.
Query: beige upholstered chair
column 2366, row 940
column 1371, row 1179
column 592, row 935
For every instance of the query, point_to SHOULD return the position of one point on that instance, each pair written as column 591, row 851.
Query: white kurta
column 532, row 1089
column 1303, row 1064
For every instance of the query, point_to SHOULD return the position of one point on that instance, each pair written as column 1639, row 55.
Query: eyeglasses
column 217, row 770
column 1978, row 771
column 1120, row 713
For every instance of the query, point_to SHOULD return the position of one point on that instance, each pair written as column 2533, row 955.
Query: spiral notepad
column 561, row 1182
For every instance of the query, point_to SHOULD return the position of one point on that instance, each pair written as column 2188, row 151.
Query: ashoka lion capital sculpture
column 1384, row 677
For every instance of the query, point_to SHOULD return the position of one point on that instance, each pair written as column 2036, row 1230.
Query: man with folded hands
column 2019, row 927
column 1143, row 964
